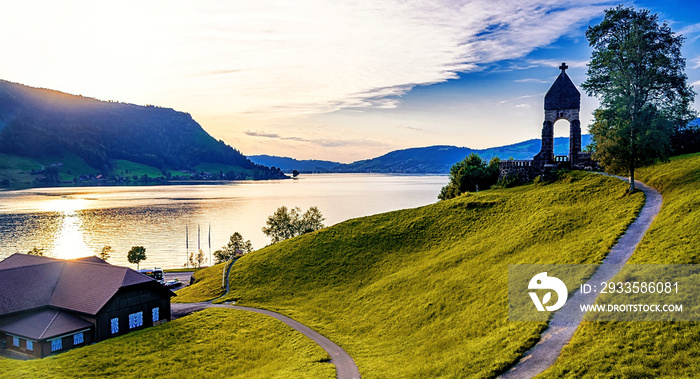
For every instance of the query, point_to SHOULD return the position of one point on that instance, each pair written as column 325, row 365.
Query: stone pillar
column 547, row 151
column 574, row 141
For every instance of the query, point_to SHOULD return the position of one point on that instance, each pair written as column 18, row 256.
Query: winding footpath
column 345, row 367
column 565, row 322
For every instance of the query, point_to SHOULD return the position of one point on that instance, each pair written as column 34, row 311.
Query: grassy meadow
column 649, row 349
column 422, row 292
column 214, row 343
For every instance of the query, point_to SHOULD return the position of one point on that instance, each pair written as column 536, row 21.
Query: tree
column 285, row 224
column 311, row 221
column 295, row 173
column 136, row 255
column 228, row 251
column 36, row 251
column 470, row 175
column 637, row 71
column 196, row 259
column 106, row 252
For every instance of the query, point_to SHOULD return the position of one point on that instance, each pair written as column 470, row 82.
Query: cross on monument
column 563, row 67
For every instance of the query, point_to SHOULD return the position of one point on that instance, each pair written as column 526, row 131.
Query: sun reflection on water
column 69, row 241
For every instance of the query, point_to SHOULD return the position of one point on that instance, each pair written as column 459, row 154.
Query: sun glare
column 69, row 241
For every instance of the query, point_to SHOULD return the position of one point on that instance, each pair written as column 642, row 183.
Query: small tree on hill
column 136, row 255
column 285, row 224
column 471, row 174
column 235, row 242
column 196, row 259
column 637, row 71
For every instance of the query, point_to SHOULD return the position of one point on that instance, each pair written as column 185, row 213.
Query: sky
column 323, row 79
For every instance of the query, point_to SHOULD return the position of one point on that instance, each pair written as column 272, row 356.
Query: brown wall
column 131, row 300
column 23, row 347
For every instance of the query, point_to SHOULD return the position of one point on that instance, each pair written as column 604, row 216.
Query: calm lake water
column 78, row 221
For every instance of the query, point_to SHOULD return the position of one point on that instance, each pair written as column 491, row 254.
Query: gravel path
column 345, row 366
column 565, row 322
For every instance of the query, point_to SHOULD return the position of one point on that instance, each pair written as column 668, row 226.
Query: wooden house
column 52, row 305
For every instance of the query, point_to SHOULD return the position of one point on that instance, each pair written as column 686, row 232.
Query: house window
column 135, row 320
column 15, row 341
column 30, row 345
column 115, row 325
column 77, row 338
column 56, row 344
column 155, row 314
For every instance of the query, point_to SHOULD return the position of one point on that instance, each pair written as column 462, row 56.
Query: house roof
column 562, row 94
column 81, row 285
column 45, row 323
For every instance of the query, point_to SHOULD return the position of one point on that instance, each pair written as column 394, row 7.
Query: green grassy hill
column 649, row 349
column 422, row 292
column 215, row 343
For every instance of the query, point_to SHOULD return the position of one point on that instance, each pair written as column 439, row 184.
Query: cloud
column 696, row 83
column 691, row 32
column 409, row 128
column 531, row 80
column 261, row 134
column 695, row 62
column 555, row 63
column 523, row 106
column 274, row 57
column 323, row 142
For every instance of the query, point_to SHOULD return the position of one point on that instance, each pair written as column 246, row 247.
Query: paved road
column 565, row 322
column 345, row 366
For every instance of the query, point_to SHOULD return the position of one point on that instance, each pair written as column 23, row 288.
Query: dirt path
column 565, row 322
column 345, row 366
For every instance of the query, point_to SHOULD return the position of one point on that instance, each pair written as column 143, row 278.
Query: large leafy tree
column 637, row 72
column 470, row 175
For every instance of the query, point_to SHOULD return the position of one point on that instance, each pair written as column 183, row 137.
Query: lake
column 71, row 222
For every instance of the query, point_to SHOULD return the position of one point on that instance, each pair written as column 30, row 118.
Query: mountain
column 439, row 159
column 289, row 164
column 39, row 123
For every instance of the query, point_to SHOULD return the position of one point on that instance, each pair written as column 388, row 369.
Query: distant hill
column 289, row 164
column 439, row 159
column 40, row 123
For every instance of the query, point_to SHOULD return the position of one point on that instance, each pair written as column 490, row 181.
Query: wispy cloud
column 531, row 80
column 691, row 32
column 409, row 128
column 696, row 83
column 554, row 63
column 269, row 57
column 323, row 142
column 523, row 106
column 695, row 63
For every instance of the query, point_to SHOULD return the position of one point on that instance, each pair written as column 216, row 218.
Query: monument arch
column 562, row 101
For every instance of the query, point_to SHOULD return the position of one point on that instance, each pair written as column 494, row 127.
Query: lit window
column 56, row 344
column 135, row 320
column 115, row 325
column 77, row 339
column 15, row 341
column 155, row 314
column 30, row 345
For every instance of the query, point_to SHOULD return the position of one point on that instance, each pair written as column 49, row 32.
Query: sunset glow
column 316, row 79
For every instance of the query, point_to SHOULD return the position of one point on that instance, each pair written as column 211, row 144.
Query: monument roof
column 563, row 93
